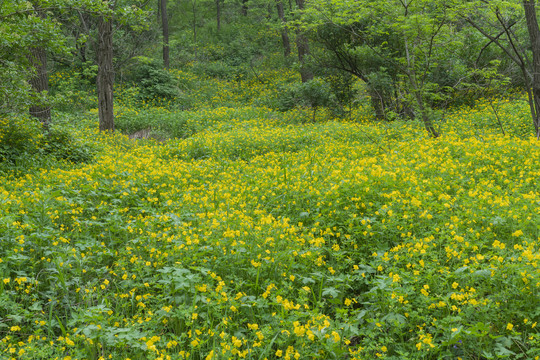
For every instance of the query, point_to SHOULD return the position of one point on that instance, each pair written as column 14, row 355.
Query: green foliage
column 345, row 238
column 155, row 84
column 25, row 147
column 73, row 90
column 20, row 138
column 312, row 94
column 241, row 144
column 218, row 69
column 21, row 30
column 250, row 233
column 61, row 144
column 343, row 87
column 170, row 123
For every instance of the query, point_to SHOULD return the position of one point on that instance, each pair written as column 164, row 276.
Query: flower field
column 256, row 237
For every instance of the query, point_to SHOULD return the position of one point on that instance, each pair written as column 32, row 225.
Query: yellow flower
column 509, row 326
column 236, row 342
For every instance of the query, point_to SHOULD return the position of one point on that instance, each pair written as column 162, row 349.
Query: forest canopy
column 413, row 58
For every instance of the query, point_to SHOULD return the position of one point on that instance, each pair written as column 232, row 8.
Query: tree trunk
column 40, row 83
column 218, row 15
column 426, row 119
column 534, row 35
column 302, row 45
column 418, row 92
column 377, row 102
column 244, row 7
column 105, row 76
column 194, row 10
column 165, row 27
column 284, row 33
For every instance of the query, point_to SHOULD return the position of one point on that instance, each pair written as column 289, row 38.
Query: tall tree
column 218, row 15
column 495, row 20
column 284, row 32
column 409, row 39
column 534, row 36
column 40, row 80
column 165, row 28
column 26, row 35
column 40, row 83
column 105, row 76
column 194, row 19
column 302, row 44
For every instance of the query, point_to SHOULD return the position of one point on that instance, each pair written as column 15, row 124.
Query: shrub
column 74, row 89
column 24, row 145
column 155, row 84
column 20, row 136
column 61, row 144
column 312, row 94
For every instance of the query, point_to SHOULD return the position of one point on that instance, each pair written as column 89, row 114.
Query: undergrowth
column 251, row 234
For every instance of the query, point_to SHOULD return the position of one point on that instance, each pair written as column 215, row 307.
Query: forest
column 269, row 179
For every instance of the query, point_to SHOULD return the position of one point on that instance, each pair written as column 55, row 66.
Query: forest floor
column 255, row 235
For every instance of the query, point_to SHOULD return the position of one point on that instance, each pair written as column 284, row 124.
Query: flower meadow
column 254, row 236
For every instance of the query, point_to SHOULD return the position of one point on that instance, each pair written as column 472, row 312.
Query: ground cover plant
column 283, row 180
column 255, row 235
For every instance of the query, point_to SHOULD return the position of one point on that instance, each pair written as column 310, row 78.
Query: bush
column 24, row 144
column 312, row 94
column 20, row 137
column 61, row 144
column 155, row 84
column 74, row 90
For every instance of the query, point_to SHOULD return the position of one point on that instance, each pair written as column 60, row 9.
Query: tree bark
column 165, row 28
column 218, row 15
column 284, row 33
column 302, row 45
column 377, row 102
column 418, row 93
column 194, row 22
column 534, row 35
column 40, row 83
column 105, row 76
